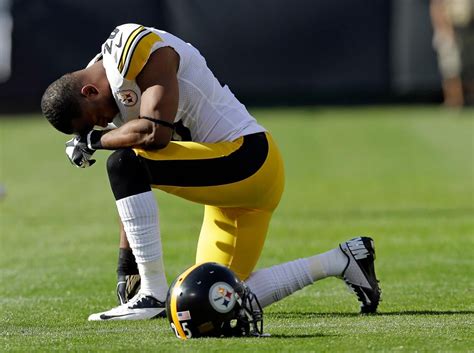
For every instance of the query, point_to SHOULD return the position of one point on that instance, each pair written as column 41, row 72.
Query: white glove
column 79, row 153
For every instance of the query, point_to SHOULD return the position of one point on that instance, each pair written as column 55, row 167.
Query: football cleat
column 127, row 287
column 140, row 307
column 359, row 273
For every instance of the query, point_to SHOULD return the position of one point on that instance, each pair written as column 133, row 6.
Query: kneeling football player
column 151, row 98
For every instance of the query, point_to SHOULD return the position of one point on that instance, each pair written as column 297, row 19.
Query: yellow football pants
column 239, row 182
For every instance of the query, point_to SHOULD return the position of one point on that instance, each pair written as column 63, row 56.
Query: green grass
column 404, row 175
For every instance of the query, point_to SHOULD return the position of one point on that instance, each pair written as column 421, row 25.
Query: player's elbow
column 154, row 137
column 156, row 141
column 159, row 145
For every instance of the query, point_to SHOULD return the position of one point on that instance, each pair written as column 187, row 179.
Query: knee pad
column 128, row 176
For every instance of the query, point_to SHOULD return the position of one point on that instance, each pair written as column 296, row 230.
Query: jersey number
column 108, row 45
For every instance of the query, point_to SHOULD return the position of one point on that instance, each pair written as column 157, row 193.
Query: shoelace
column 136, row 299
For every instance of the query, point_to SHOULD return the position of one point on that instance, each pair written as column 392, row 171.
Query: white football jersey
column 207, row 111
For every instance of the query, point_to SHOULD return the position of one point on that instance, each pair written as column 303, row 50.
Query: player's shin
column 138, row 212
column 139, row 215
column 277, row 282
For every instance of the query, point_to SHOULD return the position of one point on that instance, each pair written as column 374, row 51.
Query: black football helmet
column 209, row 300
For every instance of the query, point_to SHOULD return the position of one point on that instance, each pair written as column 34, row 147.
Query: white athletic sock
column 330, row 263
column 153, row 279
column 139, row 215
column 277, row 282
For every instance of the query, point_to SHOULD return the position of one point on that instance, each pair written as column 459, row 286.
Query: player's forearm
column 138, row 133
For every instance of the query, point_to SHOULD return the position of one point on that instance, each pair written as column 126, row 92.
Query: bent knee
column 127, row 175
column 121, row 160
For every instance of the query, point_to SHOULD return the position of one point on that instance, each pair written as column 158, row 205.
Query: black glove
column 127, row 287
column 81, row 148
column 128, row 279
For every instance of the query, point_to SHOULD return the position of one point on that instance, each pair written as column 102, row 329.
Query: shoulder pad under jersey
column 128, row 48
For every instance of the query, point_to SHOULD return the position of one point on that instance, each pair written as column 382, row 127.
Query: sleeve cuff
column 93, row 140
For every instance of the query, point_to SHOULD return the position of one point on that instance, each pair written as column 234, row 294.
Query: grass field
column 404, row 175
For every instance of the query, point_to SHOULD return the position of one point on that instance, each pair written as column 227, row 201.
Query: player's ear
column 89, row 90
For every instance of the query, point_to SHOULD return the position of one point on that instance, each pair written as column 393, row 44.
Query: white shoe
column 359, row 273
column 140, row 307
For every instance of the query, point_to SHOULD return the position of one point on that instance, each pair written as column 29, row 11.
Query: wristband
column 93, row 140
column 159, row 122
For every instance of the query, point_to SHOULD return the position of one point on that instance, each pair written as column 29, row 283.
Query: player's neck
column 94, row 74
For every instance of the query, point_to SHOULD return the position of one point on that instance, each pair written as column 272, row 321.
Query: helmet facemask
column 248, row 320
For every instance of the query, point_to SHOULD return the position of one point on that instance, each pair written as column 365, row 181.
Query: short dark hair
column 60, row 103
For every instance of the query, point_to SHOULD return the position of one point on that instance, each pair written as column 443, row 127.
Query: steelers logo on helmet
column 222, row 297
column 127, row 97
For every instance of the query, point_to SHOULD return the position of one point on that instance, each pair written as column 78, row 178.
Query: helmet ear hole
column 209, row 300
